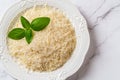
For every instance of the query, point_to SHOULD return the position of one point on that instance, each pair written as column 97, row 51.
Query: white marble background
column 103, row 18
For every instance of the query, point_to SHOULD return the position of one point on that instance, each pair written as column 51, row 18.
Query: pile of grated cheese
column 50, row 48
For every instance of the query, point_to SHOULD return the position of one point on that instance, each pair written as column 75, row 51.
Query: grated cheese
column 50, row 48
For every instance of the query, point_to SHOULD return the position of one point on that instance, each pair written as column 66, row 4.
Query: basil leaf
column 28, row 35
column 25, row 23
column 40, row 23
column 16, row 34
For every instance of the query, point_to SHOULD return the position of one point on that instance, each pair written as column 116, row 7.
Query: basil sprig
column 37, row 24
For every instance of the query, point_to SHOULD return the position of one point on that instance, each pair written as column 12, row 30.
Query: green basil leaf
column 28, row 35
column 25, row 23
column 40, row 23
column 16, row 34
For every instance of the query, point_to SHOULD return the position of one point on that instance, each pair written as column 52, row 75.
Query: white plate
column 71, row 66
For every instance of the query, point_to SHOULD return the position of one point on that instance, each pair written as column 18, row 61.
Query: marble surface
column 103, row 17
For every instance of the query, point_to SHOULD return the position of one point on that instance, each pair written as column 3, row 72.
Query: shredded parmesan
column 50, row 48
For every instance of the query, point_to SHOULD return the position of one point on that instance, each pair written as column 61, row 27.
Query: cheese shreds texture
column 50, row 48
